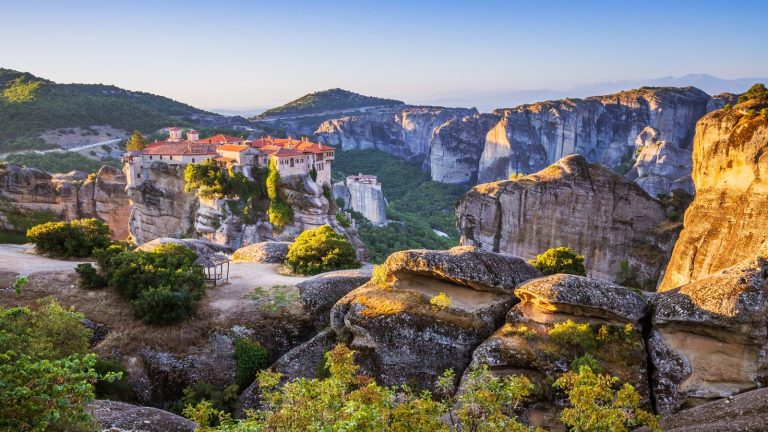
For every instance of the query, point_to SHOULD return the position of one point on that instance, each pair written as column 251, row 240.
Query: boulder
column 200, row 247
column 709, row 337
column 319, row 293
column 538, row 340
column 114, row 416
column 382, row 319
column 271, row 252
column 746, row 412
column 601, row 215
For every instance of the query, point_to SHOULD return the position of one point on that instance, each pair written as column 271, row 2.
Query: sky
column 232, row 54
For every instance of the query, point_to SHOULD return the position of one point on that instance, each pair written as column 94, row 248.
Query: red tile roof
column 273, row 150
column 178, row 148
column 300, row 145
column 222, row 139
column 232, row 147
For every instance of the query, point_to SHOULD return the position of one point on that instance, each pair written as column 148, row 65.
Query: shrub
column 597, row 406
column 313, row 173
column 273, row 181
column 206, row 178
column 440, row 301
column 46, row 373
column 764, row 112
column 89, row 278
column 342, row 220
column 320, row 250
column 165, row 285
column 574, row 335
column 379, row 276
column 119, row 389
column 250, row 358
column 559, row 260
column 280, row 214
column 223, row 399
column 756, row 92
column 76, row 239
column 727, row 107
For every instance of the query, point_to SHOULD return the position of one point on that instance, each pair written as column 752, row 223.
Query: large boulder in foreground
column 746, row 412
column 562, row 317
column 587, row 207
column 319, row 293
column 710, row 337
column 383, row 319
column 200, row 247
column 112, row 416
column 727, row 221
column 270, row 252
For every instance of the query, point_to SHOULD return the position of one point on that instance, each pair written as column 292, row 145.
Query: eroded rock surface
column 727, row 221
column 319, row 293
column 112, row 416
column 538, row 341
column 381, row 319
column 573, row 203
column 746, row 412
column 710, row 336
column 25, row 192
column 264, row 252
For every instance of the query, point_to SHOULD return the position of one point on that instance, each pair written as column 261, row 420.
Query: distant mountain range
column 487, row 101
column 327, row 100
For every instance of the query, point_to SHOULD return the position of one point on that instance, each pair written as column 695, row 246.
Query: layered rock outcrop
column 161, row 208
column 26, row 192
column 710, row 336
column 319, row 293
column 727, row 221
column 573, row 203
column 463, row 145
column 382, row 318
column 559, row 319
column 112, row 416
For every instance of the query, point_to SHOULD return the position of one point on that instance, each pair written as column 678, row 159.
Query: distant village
column 290, row 156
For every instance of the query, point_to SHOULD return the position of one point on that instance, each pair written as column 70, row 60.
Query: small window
column 150, row 157
column 193, row 160
column 138, row 175
column 161, row 157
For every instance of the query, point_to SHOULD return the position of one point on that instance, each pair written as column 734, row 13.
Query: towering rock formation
column 573, row 203
column 645, row 133
column 26, row 192
column 403, row 132
column 363, row 194
column 161, row 208
column 727, row 221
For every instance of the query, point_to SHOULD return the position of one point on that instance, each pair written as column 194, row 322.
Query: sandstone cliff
column 161, row 208
column 573, row 203
column 727, row 221
column 645, row 133
column 28, row 191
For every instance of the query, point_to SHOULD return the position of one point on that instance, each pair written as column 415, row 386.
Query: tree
column 46, row 373
column 596, row 406
column 136, row 142
column 320, row 250
column 559, row 260
column 76, row 239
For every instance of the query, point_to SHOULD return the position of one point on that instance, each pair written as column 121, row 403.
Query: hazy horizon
column 239, row 55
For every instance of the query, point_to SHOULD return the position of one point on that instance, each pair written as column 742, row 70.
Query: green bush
column 117, row 390
column 342, row 220
column 46, row 373
column 320, row 250
column 574, row 335
column 164, row 285
column 756, row 92
column 206, row 178
column 280, row 214
column 76, row 239
column 223, row 399
column 250, row 358
column 89, row 277
column 559, row 260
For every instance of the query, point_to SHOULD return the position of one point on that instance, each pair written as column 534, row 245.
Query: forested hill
column 328, row 100
column 30, row 105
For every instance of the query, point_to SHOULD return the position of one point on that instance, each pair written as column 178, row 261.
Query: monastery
column 291, row 156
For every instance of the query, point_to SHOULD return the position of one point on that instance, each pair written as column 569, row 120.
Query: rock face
column 462, row 145
column 119, row 416
column 598, row 213
column 364, row 195
column 161, row 208
column 533, row 343
column 727, row 221
column 26, row 191
column 382, row 318
column 710, row 336
column 319, row 293
column 264, row 252
column 747, row 412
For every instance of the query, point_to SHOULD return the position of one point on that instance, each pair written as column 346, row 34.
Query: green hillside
column 328, row 100
column 30, row 105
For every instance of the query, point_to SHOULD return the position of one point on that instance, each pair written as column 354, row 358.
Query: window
column 161, row 157
column 193, row 160
column 150, row 157
column 291, row 162
column 138, row 175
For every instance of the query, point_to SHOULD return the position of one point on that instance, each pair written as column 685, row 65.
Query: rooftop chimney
column 174, row 134
column 193, row 135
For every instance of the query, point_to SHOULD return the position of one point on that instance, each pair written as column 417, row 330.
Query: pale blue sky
column 230, row 54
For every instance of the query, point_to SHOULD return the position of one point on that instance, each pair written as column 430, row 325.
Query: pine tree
column 136, row 142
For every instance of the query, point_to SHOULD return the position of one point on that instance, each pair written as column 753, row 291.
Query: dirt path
column 22, row 259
